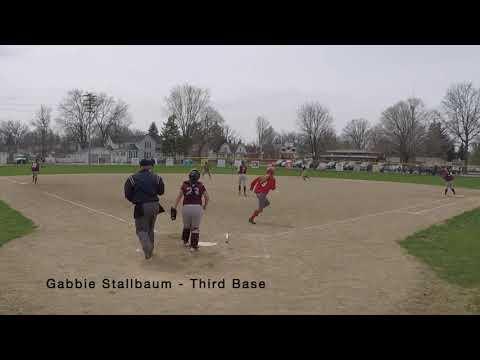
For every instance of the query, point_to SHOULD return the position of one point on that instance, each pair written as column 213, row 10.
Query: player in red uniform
column 242, row 178
column 35, row 170
column 192, row 192
column 448, row 177
column 261, row 186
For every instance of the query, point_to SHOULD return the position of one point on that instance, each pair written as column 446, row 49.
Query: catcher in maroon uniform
column 192, row 191
column 261, row 186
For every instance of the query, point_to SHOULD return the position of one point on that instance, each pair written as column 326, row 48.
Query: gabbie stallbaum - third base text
column 134, row 283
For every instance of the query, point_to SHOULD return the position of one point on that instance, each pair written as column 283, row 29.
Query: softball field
column 325, row 246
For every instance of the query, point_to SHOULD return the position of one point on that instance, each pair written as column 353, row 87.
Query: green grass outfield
column 462, row 182
column 13, row 224
column 452, row 250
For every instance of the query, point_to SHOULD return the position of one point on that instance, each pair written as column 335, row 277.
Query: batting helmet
column 194, row 175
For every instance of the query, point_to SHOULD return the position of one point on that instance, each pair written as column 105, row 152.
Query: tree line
column 406, row 129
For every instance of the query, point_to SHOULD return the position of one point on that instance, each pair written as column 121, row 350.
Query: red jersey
column 264, row 187
column 242, row 169
column 192, row 193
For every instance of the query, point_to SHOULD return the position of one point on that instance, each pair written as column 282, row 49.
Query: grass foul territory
column 461, row 182
column 13, row 224
column 451, row 249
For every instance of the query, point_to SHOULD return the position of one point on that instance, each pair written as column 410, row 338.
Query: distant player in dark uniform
column 192, row 191
column 35, row 170
column 143, row 189
column 448, row 177
column 261, row 186
column 206, row 170
column 242, row 178
column 304, row 172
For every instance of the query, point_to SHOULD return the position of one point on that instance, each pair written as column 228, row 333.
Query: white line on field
column 434, row 208
column 86, row 207
column 358, row 218
column 15, row 182
column 93, row 210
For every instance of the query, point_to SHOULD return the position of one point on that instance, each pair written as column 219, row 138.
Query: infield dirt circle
column 322, row 247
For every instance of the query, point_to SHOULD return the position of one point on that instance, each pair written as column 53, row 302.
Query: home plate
column 206, row 243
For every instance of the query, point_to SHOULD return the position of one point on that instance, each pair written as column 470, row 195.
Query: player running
column 261, row 186
column 192, row 192
column 448, row 177
column 304, row 172
column 242, row 178
column 206, row 170
column 35, row 170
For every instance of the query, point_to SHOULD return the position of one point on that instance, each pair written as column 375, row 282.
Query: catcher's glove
column 173, row 213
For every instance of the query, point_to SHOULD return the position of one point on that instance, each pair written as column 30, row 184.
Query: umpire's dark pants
column 145, row 226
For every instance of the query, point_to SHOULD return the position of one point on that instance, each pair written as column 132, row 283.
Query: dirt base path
column 324, row 247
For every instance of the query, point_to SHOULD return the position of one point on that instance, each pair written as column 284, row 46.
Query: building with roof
column 351, row 155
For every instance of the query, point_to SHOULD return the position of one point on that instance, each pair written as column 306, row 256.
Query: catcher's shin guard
column 185, row 235
column 195, row 238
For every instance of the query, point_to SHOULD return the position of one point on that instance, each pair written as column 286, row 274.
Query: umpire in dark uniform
column 142, row 189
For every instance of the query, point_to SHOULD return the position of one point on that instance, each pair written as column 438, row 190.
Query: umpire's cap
column 146, row 162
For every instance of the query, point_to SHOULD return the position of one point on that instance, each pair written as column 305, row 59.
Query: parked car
column 331, row 165
column 298, row 164
column 322, row 166
column 279, row 162
column 364, row 166
column 348, row 165
column 21, row 159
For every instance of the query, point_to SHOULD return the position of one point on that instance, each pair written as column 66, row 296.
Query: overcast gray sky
column 245, row 81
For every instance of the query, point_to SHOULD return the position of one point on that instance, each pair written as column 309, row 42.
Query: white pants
column 242, row 179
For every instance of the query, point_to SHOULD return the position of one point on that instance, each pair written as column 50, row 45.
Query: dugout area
column 323, row 247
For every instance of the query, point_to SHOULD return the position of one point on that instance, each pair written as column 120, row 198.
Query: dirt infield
column 324, row 247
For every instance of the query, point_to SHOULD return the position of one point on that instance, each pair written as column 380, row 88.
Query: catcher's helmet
column 194, row 175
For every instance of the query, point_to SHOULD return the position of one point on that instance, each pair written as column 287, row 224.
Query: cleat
column 251, row 221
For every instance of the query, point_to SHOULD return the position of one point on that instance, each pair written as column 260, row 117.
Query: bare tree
column 315, row 124
column 404, row 126
column 231, row 137
column 378, row 140
column 75, row 119
column 108, row 115
column 41, row 124
column 262, row 125
column 462, row 110
column 356, row 133
column 13, row 134
column 209, row 129
column 187, row 103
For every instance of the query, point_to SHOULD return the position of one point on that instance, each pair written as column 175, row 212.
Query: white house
column 288, row 151
column 241, row 151
column 3, row 157
column 226, row 151
column 120, row 152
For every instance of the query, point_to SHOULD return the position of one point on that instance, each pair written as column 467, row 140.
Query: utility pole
column 89, row 101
